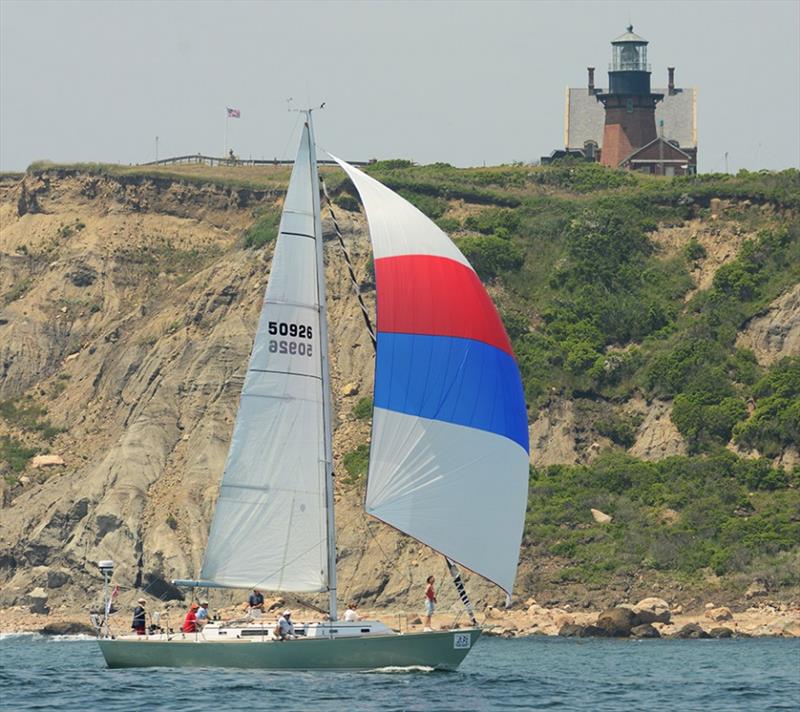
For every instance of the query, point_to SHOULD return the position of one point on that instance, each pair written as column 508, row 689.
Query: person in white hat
column 139, row 624
column 285, row 627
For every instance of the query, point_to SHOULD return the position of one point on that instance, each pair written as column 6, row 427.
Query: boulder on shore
column 644, row 630
column 658, row 608
column 721, row 632
column 616, row 622
column 574, row 630
column 36, row 600
column 719, row 614
column 691, row 631
column 68, row 628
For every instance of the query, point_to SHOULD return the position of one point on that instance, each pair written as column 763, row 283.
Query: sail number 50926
column 295, row 331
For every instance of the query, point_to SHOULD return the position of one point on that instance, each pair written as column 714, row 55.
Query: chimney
column 591, row 79
column 671, row 83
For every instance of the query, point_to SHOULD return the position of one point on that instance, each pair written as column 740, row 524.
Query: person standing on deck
column 139, row 622
column 190, row 622
column 202, row 614
column 430, row 601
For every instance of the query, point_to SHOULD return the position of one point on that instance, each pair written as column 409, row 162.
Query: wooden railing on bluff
column 215, row 161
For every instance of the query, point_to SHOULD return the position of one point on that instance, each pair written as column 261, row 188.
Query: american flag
column 234, row 113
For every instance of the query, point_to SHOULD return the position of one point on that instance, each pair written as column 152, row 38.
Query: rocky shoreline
column 649, row 618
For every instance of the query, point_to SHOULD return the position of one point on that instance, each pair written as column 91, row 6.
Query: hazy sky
column 461, row 82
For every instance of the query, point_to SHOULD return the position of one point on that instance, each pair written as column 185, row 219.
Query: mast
column 326, row 378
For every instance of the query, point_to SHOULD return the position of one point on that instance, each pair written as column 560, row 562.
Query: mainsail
column 270, row 527
column 449, row 452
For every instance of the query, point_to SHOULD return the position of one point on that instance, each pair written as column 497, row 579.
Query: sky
column 467, row 83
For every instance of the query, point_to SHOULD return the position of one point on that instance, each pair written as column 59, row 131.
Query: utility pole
column 726, row 162
column 156, row 149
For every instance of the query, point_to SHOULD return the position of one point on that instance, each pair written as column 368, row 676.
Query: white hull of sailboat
column 436, row 650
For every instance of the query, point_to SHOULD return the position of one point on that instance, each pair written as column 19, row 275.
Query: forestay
column 449, row 452
column 269, row 527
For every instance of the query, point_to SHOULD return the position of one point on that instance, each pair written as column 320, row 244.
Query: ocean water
column 38, row 673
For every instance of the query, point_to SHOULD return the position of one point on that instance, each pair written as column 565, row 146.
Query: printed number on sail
column 281, row 328
column 296, row 331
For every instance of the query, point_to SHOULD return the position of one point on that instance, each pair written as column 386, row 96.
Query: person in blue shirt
column 256, row 600
column 202, row 614
column 138, row 625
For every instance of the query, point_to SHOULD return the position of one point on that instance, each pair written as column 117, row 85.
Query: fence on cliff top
column 236, row 162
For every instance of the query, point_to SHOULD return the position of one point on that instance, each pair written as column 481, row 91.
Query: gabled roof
column 629, row 36
column 670, row 146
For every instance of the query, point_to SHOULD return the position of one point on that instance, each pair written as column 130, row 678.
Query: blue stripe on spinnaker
column 455, row 380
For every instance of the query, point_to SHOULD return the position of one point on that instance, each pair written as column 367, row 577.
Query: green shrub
column 363, row 409
column 433, row 207
column 15, row 454
column 347, row 202
column 356, row 463
column 694, row 251
column 449, row 224
column 705, row 423
column 26, row 414
column 263, row 231
column 620, row 430
column 775, row 422
column 491, row 255
column 492, row 220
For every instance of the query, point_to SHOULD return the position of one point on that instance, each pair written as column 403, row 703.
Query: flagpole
column 225, row 146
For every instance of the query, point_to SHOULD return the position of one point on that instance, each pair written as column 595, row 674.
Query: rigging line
column 462, row 592
column 350, row 268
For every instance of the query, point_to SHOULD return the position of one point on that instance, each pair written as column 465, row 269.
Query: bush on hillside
column 262, row 231
column 775, row 422
column 491, row 255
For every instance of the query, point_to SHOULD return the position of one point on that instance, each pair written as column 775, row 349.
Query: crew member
column 190, row 622
column 139, row 622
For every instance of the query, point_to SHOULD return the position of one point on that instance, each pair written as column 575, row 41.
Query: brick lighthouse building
column 629, row 125
column 630, row 105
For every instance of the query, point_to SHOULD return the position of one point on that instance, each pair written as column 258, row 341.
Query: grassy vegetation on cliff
column 680, row 515
column 597, row 311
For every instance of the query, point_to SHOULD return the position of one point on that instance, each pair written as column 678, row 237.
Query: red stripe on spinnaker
column 425, row 294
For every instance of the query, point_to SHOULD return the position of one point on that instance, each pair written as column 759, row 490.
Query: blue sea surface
column 38, row 673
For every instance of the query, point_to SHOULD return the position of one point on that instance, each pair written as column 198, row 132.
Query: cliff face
column 127, row 311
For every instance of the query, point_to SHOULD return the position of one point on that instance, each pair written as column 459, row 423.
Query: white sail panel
column 455, row 488
column 269, row 527
column 395, row 226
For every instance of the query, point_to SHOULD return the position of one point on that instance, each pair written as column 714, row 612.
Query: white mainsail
column 270, row 527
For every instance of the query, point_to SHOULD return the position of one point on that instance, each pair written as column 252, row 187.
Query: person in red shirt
column 190, row 622
column 430, row 600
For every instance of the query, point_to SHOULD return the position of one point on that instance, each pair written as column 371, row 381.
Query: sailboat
column 449, row 432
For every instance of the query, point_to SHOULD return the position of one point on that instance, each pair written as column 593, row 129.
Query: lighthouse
column 630, row 105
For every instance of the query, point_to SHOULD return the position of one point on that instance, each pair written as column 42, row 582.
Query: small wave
column 20, row 634
column 35, row 634
column 401, row 669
